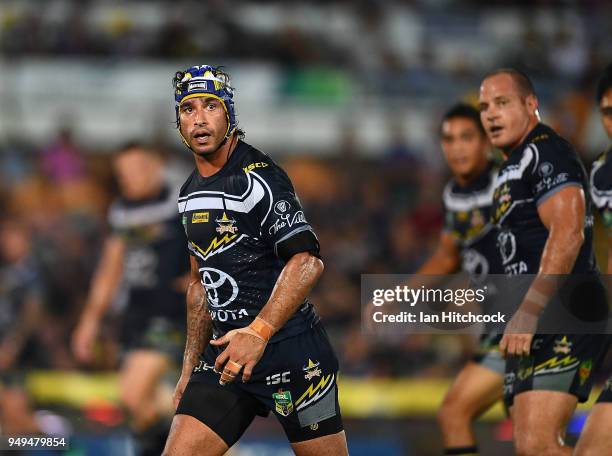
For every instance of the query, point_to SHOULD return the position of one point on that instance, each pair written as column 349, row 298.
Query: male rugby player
column 545, row 229
column 468, row 241
column 254, row 259
column 143, row 255
column 596, row 438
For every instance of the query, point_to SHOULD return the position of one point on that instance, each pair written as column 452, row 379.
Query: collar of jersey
column 225, row 169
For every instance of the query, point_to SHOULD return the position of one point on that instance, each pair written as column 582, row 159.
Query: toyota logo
column 221, row 288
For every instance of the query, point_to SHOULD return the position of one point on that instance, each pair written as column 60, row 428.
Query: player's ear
column 532, row 103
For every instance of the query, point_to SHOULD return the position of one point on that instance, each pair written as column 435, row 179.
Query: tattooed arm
column 199, row 329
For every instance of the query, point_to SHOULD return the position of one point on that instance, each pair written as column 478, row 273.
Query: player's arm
column 445, row 259
column 295, row 281
column 563, row 215
column 103, row 289
column 199, row 329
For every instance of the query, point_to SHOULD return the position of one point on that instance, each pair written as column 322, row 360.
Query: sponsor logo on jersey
column 503, row 201
column 252, row 166
column 311, row 370
column 226, row 225
column 221, row 288
column 282, row 402
column 199, row 217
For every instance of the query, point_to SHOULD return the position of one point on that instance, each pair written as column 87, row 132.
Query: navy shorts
column 295, row 380
column 558, row 362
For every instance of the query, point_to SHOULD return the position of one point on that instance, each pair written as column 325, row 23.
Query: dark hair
column 605, row 82
column 521, row 80
column 464, row 111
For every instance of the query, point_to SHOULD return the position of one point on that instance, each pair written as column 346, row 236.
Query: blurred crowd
column 417, row 44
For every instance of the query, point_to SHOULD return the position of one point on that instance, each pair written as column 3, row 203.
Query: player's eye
column 187, row 108
column 211, row 106
column 607, row 111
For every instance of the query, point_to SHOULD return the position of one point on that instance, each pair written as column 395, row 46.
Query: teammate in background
column 545, row 229
column 144, row 255
column 468, row 241
column 596, row 438
column 21, row 307
column 254, row 260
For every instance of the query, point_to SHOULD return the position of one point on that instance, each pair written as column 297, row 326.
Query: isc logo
column 278, row 378
column 252, row 166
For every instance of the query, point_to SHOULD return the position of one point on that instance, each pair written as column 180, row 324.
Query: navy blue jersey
column 154, row 254
column 236, row 222
column 467, row 219
column 538, row 168
column 601, row 186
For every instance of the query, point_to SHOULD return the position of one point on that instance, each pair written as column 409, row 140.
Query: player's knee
column 529, row 444
column 453, row 412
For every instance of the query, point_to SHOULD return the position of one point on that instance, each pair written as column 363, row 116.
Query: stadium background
column 346, row 95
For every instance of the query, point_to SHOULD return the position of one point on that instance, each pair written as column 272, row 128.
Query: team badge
column 226, row 225
column 562, row 346
column 584, row 371
column 282, row 402
column 311, row 370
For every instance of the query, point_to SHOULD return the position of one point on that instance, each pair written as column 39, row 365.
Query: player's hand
column 179, row 389
column 518, row 334
column 84, row 339
column 244, row 350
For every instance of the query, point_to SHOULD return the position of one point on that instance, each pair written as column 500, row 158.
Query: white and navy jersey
column 154, row 254
column 467, row 213
column 534, row 171
column 601, row 186
column 238, row 221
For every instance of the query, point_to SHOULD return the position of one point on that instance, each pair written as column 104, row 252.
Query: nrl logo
column 312, row 370
column 563, row 346
column 226, row 225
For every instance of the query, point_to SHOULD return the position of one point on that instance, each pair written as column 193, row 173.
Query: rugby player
column 143, row 258
column 468, row 241
column 254, row 259
column 596, row 438
column 545, row 228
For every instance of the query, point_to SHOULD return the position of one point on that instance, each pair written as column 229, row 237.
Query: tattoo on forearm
column 199, row 325
column 293, row 285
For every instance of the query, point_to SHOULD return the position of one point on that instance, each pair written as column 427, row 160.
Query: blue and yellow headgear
column 205, row 81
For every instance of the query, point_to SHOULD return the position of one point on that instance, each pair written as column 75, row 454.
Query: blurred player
column 20, row 319
column 145, row 255
column 256, row 257
column 596, row 438
column 468, row 241
column 545, row 229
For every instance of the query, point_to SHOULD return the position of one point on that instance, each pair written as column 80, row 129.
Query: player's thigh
column 474, row 390
column 140, row 373
column 189, row 436
column 542, row 415
column 328, row 445
column 596, row 438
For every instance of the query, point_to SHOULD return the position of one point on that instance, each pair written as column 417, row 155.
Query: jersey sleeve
column 601, row 189
column 555, row 166
column 284, row 226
